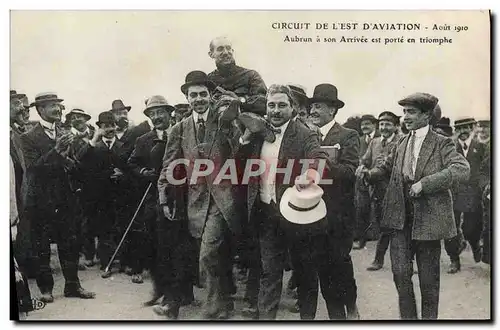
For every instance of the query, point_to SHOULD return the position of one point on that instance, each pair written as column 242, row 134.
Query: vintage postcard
column 250, row 165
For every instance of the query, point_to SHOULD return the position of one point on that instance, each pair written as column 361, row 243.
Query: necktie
column 368, row 139
column 51, row 132
column 108, row 143
column 409, row 159
column 201, row 130
column 384, row 142
column 464, row 147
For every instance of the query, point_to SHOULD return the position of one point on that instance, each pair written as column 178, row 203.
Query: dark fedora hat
column 197, row 78
column 423, row 101
column 443, row 124
column 118, row 105
column 157, row 101
column 326, row 93
column 299, row 92
column 105, row 117
column 464, row 121
column 77, row 111
column 42, row 98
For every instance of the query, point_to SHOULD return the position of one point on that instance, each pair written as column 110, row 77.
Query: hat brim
column 469, row 122
column 34, row 104
column 210, row 85
column 87, row 117
column 338, row 103
column 169, row 108
column 124, row 108
column 301, row 217
column 17, row 96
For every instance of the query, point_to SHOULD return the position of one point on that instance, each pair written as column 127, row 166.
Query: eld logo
column 37, row 304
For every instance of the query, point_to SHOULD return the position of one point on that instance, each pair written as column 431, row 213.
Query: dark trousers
column 472, row 227
column 384, row 238
column 142, row 237
column 486, row 235
column 363, row 211
column 454, row 244
column 107, row 231
column 54, row 223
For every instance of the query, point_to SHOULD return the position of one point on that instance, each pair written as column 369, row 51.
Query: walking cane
column 128, row 228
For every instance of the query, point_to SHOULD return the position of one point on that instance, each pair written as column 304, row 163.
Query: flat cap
column 423, row 101
column 370, row 118
column 389, row 116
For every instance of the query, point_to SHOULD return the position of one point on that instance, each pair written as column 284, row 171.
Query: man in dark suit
column 418, row 207
column 343, row 144
column 293, row 141
column 485, row 187
column 363, row 200
column 378, row 150
column 49, row 201
column 467, row 197
column 245, row 83
column 146, row 172
column 212, row 208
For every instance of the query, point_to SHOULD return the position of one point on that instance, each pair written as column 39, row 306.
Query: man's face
column 79, row 122
column 322, row 113
column 367, row 127
column 109, row 130
column 415, row 118
column 160, row 117
column 484, row 132
column 222, row 51
column 279, row 109
column 303, row 112
column 50, row 111
column 18, row 113
column 199, row 98
column 386, row 128
column 121, row 118
column 464, row 131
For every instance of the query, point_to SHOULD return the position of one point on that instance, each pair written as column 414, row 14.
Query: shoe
column 375, row 266
column 477, row 253
column 250, row 311
column 359, row 245
column 105, row 274
column 219, row 315
column 137, row 278
column 151, row 302
column 46, row 298
column 89, row 263
column 82, row 265
column 79, row 293
column 353, row 313
column 454, row 267
column 294, row 308
column 128, row 271
column 170, row 311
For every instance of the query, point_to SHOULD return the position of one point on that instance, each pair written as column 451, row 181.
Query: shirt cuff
column 243, row 142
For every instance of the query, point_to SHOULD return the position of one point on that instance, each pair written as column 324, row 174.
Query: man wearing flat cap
column 368, row 125
column 418, row 207
column 467, row 196
column 244, row 84
column 49, row 200
column 378, row 150
column 212, row 209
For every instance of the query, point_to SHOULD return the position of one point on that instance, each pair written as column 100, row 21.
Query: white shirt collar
column 421, row 132
column 204, row 116
column 467, row 142
column 78, row 133
column 390, row 138
column 47, row 125
column 104, row 139
column 282, row 128
column 327, row 127
column 372, row 134
column 160, row 133
column 151, row 126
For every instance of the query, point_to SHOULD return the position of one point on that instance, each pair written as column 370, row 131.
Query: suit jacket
column 485, row 170
column 439, row 167
column 141, row 156
column 299, row 142
column 47, row 182
column 130, row 136
column 339, row 196
column 17, row 157
column 182, row 144
column 363, row 146
column 467, row 196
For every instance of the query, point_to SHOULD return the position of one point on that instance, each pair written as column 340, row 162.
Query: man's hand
column 13, row 231
column 169, row 214
column 63, row 143
column 361, row 171
column 416, row 189
column 227, row 93
column 247, row 136
column 305, row 180
column 148, row 173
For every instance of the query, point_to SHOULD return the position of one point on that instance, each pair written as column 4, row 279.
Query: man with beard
column 146, row 168
column 339, row 198
column 378, row 150
column 245, row 83
column 49, row 201
column 467, row 196
column 418, row 204
column 212, row 209
column 483, row 132
column 363, row 199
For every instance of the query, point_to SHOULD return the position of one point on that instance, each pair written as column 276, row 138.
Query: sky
column 90, row 58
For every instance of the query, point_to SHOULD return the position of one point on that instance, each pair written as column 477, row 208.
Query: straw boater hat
column 157, row 101
column 77, row 111
column 464, row 121
column 303, row 207
column 45, row 97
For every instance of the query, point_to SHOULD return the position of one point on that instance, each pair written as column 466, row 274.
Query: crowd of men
column 408, row 187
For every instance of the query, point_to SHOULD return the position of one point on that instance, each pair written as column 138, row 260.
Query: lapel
column 42, row 138
column 473, row 146
column 401, row 153
column 287, row 142
column 189, row 135
column 459, row 148
column 331, row 135
column 425, row 153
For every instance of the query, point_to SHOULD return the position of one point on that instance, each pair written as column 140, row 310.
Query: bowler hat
column 299, row 92
column 326, row 93
column 258, row 125
column 369, row 118
column 423, row 101
column 197, row 78
column 118, row 105
column 389, row 116
column 464, row 121
column 42, row 98
column 105, row 117
column 78, row 111
column 444, row 125
column 157, row 101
